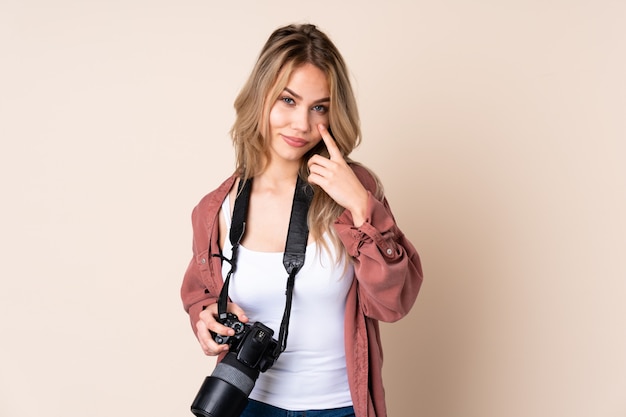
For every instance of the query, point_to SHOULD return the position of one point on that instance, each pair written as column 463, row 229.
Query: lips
column 295, row 141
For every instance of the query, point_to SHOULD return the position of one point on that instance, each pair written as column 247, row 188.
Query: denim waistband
column 259, row 409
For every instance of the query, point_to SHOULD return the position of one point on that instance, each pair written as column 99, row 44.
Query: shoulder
column 368, row 178
column 211, row 203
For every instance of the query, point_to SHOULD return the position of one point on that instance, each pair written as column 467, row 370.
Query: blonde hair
column 287, row 49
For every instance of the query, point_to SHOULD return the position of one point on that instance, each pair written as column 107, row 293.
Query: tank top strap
column 226, row 211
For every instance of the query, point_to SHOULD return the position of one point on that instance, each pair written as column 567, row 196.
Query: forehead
column 307, row 80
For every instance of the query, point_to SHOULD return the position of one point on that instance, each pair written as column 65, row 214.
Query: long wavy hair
column 287, row 49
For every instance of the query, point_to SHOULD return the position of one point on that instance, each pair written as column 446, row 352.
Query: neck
column 279, row 175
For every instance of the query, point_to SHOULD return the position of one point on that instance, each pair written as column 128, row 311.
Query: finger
column 238, row 311
column 319, row 161
column 331, row 145
column 210, row 323
column 208, row 345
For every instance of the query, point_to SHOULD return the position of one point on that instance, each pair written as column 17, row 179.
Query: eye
column 320, row 109
column 288, row 100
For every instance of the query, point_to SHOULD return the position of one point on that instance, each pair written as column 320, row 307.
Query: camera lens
column 225, row 392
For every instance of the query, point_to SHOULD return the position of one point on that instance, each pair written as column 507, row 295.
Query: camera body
column 252, row 350
column 233, row 322
column 253, row 344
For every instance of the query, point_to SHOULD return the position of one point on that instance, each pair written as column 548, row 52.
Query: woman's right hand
column 208, row 323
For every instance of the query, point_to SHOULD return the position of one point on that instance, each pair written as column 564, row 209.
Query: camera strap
column 295, row 246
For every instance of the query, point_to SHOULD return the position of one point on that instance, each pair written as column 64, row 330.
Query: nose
column 300, row 120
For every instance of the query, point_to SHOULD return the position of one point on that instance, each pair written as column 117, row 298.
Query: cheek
column 320, row 119
column 277, row 117
column 316, row 141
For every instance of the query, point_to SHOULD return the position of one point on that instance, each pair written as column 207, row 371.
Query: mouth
column 295, row 141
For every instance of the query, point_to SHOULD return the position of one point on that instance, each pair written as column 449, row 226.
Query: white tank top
column 311, row 373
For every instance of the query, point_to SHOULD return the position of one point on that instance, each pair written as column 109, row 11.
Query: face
column 294, row 117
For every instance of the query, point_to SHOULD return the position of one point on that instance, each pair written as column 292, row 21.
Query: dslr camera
column 251, row 350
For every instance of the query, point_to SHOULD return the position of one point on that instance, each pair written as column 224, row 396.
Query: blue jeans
column 259, row 409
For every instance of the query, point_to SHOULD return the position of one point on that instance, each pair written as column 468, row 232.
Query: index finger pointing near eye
column 331, row 145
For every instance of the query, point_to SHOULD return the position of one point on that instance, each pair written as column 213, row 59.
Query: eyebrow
column 321, row 100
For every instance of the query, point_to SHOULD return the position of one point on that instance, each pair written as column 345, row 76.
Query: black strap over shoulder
column 240, row 212
column 298, row 233
column 295, row 249
column 237, row 230
column 295, row 246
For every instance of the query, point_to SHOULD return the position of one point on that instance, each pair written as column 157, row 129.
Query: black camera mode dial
column 233, row 322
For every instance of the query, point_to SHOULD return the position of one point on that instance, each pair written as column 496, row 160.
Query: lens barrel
column 225, row 392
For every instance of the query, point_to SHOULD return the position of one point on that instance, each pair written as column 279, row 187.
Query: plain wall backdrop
column 497, row 127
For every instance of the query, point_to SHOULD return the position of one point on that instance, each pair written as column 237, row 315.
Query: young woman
column 297, row 117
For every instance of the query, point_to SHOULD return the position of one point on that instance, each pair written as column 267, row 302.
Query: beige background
column 498, row 128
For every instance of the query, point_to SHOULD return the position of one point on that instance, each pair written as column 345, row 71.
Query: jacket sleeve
column 387, row 267
column 196, row 290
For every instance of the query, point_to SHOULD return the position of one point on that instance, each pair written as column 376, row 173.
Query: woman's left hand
column 335, row 176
